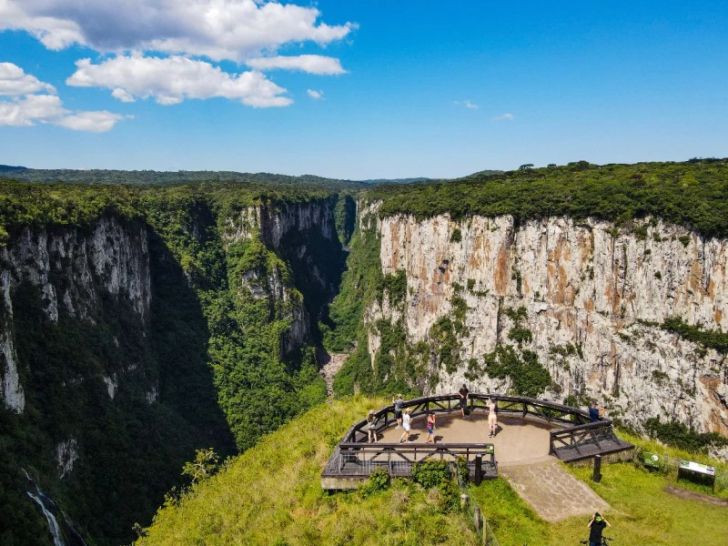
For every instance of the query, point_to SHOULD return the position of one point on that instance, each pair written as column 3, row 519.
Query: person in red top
column 430, row 428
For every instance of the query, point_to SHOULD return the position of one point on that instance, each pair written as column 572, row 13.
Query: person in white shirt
column 406, row 425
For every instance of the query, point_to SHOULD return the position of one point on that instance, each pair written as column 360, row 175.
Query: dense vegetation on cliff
column 148, row 178
column 213, row 355
column 691, row 194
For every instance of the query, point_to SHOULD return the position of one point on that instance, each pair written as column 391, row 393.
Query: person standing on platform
column 406, row 425
column 371, row 428
column 464, row 394
column 398, row 403
column 595, row 413
column 430, row 428
column 492, row 418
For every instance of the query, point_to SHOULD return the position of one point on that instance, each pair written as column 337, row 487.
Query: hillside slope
column 272, row 494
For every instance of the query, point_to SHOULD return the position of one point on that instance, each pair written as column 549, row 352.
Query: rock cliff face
column 305, row 235
column 105, row 335
column 72, row 270
column 594, row 297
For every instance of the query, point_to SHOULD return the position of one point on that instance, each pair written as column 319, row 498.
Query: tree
column 204, row 465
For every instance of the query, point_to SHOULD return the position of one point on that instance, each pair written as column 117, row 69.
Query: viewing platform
column 529, row 431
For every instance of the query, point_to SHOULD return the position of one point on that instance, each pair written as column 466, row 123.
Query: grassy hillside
column 272, row 494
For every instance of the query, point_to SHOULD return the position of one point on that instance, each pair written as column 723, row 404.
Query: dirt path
column 330, row 368
column 694, row 495
column 552, row 492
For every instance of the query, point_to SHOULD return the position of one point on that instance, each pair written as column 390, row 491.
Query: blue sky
column 407, row 88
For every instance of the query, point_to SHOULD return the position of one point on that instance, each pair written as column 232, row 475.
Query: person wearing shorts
column 398, row 403
column 464, row 394
column 492, row 418
column 371, row 428
column 430, row 428
column 406, row 425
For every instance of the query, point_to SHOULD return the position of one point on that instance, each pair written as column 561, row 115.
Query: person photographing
column 596, row 527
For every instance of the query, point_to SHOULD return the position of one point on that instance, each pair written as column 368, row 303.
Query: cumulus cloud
column 98, row 122
column 171, row 80
column 219, row 29
column 315, row 95
column 503, row 116
column 32, row 101
column 14, row 81
column 313, row 64
column 467, row 104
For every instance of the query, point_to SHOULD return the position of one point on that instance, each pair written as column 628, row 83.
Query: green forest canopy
column 692, row 194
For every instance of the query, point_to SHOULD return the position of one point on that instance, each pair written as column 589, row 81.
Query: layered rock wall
column 293, row 230
column 72, row 269
column 587, row 285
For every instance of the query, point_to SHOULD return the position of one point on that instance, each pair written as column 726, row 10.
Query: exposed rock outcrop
column 587, row 286
column 72, row 269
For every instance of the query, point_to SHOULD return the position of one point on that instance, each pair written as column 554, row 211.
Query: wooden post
column 478, row 469
column 477, row 518
column 597, row 475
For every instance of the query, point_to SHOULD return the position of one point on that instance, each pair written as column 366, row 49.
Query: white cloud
column 467, row 104
column 123, row 95
column 173, row 79
column 315, row 95
column 97, row 122
column 504, row 116
column 313, row 64
column 14, row 82
column 219, row 29
column 26, row 107
column 24, row 112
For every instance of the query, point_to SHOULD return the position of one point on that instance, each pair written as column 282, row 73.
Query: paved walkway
column 552, row 492
column 522, row 451
column 518, row 440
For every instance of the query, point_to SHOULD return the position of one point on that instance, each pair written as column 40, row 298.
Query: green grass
column 271, row 494
column 642, row 513
column 673, row 454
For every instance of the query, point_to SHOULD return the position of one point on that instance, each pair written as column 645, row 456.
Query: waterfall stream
column 47, row 506
column 52, row 523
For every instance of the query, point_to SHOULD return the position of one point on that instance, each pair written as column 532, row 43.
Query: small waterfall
column 71, row 537
column 52, row 523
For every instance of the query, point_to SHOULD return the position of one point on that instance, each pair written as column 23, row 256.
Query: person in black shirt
column 596, row 526
column 595, row 413
column 464, row 394
column 398, row 403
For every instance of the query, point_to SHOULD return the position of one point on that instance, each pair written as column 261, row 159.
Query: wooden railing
column 584, row 441
column 576, row 438
column 355, row 459
column 576, row 434
column 520, row 406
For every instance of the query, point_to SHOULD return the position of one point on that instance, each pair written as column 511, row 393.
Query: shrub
column 431, row 473
column 678, row 435
column 378, row 481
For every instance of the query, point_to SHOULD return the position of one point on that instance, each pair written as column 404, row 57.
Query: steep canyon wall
column 127, row 344
column 595, row 298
